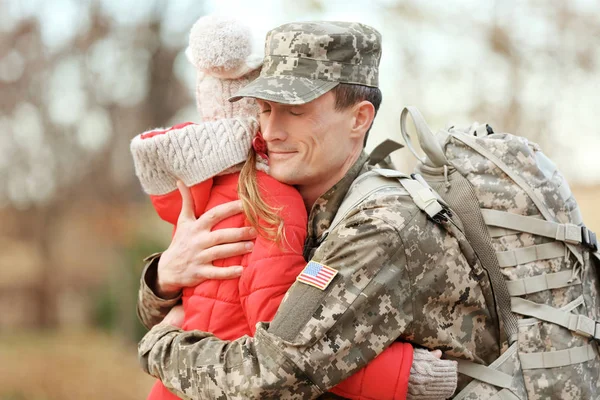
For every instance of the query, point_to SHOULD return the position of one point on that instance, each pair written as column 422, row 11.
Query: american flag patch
column 317, row 275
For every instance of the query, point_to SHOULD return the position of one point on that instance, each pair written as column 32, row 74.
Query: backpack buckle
column 589, row 238
column 443, row 216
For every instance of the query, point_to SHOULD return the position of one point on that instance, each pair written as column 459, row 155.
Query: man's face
column 308, row 144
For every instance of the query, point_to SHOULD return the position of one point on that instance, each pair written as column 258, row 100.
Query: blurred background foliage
column 78, row 79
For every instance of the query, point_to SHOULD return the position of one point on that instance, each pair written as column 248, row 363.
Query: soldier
column 396, row 273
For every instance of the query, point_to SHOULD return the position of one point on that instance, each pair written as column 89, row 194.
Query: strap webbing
column 484, row 374
column 559, row 358
column 579, row 300
column 427, row 140
column 383, row 150
column 365, row 185
column 376, row 179
column 496, row 232
column 531, row 253
column 505, row 357
column 505, row 394
column 422, row 196
column 577, row 323
column 568, row 233
column 390, row 173
column 462, row 200
column 534, row 284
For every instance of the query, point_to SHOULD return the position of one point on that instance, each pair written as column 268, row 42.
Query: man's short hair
column 347, row 95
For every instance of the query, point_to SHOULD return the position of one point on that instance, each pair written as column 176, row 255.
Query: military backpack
column 522, row 221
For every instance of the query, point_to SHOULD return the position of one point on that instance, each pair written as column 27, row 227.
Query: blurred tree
column 519, row 57
column 68, row 111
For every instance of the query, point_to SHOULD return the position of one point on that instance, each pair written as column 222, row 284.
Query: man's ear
column 364, row 113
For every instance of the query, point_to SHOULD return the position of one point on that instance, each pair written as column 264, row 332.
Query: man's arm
column 197, row 365
column 317, row 339
column 151, row 308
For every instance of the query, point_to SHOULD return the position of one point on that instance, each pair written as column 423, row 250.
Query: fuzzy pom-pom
column 220, row 46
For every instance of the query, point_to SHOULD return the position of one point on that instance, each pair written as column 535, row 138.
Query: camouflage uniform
column 387, row 287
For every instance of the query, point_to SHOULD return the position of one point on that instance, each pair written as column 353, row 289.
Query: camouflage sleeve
column 197, row 365
column 318, row 337
column 151, row 309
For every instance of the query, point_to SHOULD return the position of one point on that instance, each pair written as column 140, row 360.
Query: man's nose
column 273, row 128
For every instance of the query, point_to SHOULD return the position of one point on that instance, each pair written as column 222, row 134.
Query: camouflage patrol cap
column 304, row 60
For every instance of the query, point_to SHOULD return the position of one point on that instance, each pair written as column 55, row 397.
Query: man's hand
column 188, row 260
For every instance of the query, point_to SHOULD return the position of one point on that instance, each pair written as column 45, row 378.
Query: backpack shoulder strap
column 377, row 179
column 364, row 186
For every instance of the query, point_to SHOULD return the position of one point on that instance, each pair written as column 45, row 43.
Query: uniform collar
column 326, row 206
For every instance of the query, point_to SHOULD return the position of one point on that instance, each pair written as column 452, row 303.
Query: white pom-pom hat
column 226, row 55
column 224, row 48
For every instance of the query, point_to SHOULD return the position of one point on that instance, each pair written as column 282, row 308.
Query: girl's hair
column 254, row 206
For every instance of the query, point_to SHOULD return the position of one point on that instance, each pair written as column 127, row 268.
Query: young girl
column 222, row 159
